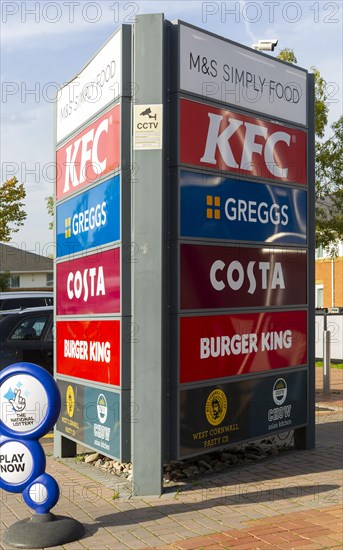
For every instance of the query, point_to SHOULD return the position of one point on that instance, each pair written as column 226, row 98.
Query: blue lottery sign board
column 90, row 219
column 215, row 207
column 30, row 404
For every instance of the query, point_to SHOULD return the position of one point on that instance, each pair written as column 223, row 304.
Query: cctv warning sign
column 147, row 125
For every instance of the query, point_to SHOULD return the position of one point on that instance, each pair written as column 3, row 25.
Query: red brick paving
column 306, row 533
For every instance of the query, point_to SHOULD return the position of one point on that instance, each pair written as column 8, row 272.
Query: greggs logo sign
column 89, row 155
column 233, row 142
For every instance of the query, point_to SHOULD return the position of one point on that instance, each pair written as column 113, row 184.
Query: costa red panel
column 89, row 155
column 232, row 142
column 213, row 277
column 89, row 350
column 90, row 284
column 229, row 345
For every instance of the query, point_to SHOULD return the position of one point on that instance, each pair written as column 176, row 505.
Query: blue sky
column 44, row 44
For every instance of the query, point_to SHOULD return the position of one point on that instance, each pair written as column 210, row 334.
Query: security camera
column 266, row 45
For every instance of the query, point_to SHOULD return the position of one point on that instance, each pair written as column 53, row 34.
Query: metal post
column 304, row 438
column 326, row 361
column 147, row 272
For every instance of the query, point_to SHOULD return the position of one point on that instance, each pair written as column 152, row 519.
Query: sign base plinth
column 43, row 531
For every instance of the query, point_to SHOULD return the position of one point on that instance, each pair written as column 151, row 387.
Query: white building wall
column 32, row 280
column 335, row 326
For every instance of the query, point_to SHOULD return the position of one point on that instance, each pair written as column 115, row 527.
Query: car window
column 50, row 334
column 30, row 328
column 22, row 302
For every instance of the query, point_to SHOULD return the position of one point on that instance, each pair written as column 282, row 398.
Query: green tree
column 50, row 206
column 329, row 166
column 12, row 214
column 4, row 281
column 320, row 95
column 329, row 189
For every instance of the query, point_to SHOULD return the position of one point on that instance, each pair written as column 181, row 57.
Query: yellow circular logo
column 70, row 401
column 216, row 407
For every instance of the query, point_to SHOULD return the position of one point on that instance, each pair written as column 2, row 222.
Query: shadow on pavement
column 226, row 498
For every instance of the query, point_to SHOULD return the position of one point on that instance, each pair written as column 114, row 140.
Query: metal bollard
column 326, row 361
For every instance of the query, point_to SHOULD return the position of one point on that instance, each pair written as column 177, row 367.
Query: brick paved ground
column 293, row 500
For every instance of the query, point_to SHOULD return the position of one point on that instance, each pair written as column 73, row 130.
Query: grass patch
column 332, row 365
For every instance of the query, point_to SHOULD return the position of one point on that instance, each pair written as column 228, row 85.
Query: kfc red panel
column 213, row 277
column 89, row 285
column 230, row 345
column 232, row 142
column 89, row 350
column 89, row 155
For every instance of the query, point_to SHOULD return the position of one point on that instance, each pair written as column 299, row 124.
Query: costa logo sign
column 237, row 143
column 90, row 284
column 89, row 155
column 227, row 277
column 229, row 345
column 89, row 350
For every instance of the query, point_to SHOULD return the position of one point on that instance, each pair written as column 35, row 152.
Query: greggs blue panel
column 90, row 219
column 215, row 207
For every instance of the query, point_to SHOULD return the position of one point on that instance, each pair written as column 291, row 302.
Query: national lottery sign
column 90, row 219
column 216, row 207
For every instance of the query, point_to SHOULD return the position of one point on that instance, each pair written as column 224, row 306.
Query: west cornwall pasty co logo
column 70, row 401
column 216, row 407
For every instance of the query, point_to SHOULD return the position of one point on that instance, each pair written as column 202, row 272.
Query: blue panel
column 90, row 219
column 102, row 421
column 214, row 207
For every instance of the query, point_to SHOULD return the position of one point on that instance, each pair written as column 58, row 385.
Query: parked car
column 16, row 301
column 27, row 336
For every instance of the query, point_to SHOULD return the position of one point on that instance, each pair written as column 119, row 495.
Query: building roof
column 16, row 260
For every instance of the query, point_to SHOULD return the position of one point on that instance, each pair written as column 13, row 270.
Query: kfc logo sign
column 89, row 155
column 236, row 143
column 250, row 146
